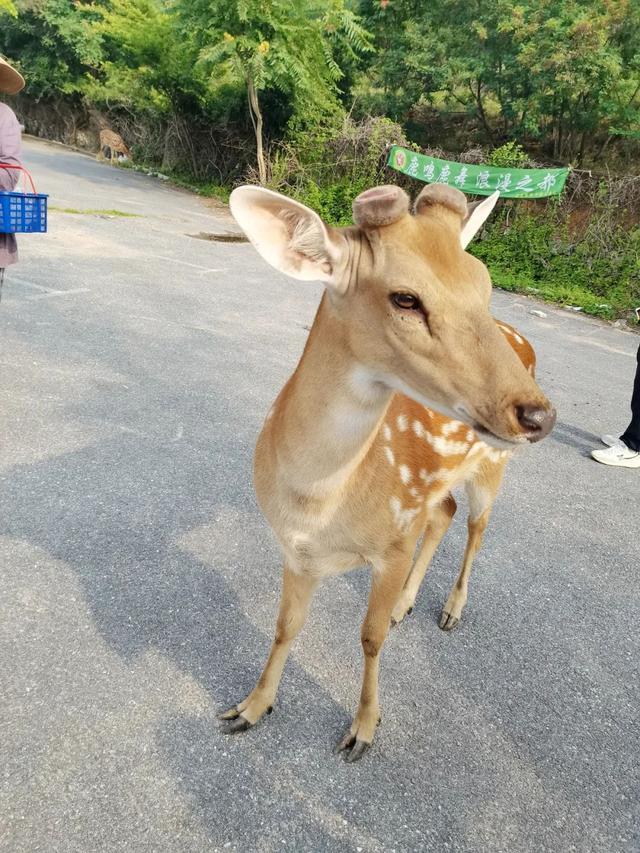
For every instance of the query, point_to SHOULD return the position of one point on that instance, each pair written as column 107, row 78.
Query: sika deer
column 113, row 143
column 406, row 387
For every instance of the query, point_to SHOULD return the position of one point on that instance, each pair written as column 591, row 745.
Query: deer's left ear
column 477, row 214
column 288, row 235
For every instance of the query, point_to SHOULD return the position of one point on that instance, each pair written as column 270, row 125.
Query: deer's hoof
column 447, row 621
column 352, row 748
column 232, row 721
column 234, row 725
column 399, row 614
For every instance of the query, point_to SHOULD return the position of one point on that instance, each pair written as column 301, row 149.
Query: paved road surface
column 139, row 582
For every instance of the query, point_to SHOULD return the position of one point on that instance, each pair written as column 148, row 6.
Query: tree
column 559, row 71
column 54, row 44
column 286, row 45
column 6, row 6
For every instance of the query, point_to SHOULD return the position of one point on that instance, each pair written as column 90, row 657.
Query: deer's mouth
column 489, row 437
column 497, row 441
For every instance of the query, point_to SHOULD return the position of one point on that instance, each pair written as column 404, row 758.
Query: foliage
column 510, row 155
column 285, row 45
column 142, row 66
column 561, row 72
column 596, row 269
column 53, row 44
column 7, row 7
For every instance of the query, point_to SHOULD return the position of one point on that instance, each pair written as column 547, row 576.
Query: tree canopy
column 562, row 76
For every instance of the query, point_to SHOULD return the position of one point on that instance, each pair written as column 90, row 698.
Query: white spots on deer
column 451, row 427
column 415, row 493
column 386, row 432
column 403, row 423
column 470, row 435
column 430, row 477
column 403, row 518
column 444, row 446
column 389, row 454
column 405, row 474
column 477, row 447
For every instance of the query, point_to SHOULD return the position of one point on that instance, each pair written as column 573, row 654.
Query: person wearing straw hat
column 11, row 82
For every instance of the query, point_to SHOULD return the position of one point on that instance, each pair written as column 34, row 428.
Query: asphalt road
column 139, row 583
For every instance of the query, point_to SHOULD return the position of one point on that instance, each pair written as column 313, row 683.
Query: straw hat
column 10, row 80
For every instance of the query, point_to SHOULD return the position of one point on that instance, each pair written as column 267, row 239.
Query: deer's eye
column 407, row 301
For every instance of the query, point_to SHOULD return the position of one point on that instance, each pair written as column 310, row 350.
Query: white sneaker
column 618, row 454
column 611, row 440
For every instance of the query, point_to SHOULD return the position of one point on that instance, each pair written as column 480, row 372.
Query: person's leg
column 626, row 453
column 1, row 281
column 631, row 436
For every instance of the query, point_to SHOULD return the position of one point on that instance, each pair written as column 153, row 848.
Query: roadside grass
column 93, row 211
column 207, row 189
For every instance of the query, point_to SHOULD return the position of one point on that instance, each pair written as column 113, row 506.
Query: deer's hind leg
column 297, row 590
column 481, row 489
column 437, row 525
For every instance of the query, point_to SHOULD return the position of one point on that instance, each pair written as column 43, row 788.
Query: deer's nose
column 535, row 421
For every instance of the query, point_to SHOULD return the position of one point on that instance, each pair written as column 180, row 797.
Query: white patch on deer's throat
column 403, row 423
column 405, row 474
column 367, row 386
column 403, row 518
column 389, row 454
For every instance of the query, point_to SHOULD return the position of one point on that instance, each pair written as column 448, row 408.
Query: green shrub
column 597, row 270
column 510, row 155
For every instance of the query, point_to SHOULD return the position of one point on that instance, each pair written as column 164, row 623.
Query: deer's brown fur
column 388, row 410
column 112, row 141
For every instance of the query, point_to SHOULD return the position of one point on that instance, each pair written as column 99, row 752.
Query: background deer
column 114, row 144
column 406, row 388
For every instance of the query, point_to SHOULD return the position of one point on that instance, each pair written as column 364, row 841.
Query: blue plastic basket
column 22, row 213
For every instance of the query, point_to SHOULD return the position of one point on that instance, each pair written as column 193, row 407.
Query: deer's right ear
column 288, row 235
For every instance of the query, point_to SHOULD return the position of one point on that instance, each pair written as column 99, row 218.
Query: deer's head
column 414, row 305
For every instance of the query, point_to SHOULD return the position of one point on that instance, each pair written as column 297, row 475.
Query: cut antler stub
column 380, row 206
column 443, row 195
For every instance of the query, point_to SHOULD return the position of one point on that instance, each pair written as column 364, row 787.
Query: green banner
column 479, row 180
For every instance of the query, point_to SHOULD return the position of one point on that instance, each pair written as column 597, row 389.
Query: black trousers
column 631, row 436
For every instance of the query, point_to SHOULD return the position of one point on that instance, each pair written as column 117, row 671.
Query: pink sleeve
column 9, row 147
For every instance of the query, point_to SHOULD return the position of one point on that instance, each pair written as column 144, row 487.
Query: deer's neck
column 329, row 413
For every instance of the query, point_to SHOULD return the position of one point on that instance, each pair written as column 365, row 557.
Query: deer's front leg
column 297, row 590
column 482, row 491
column 386, row 586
